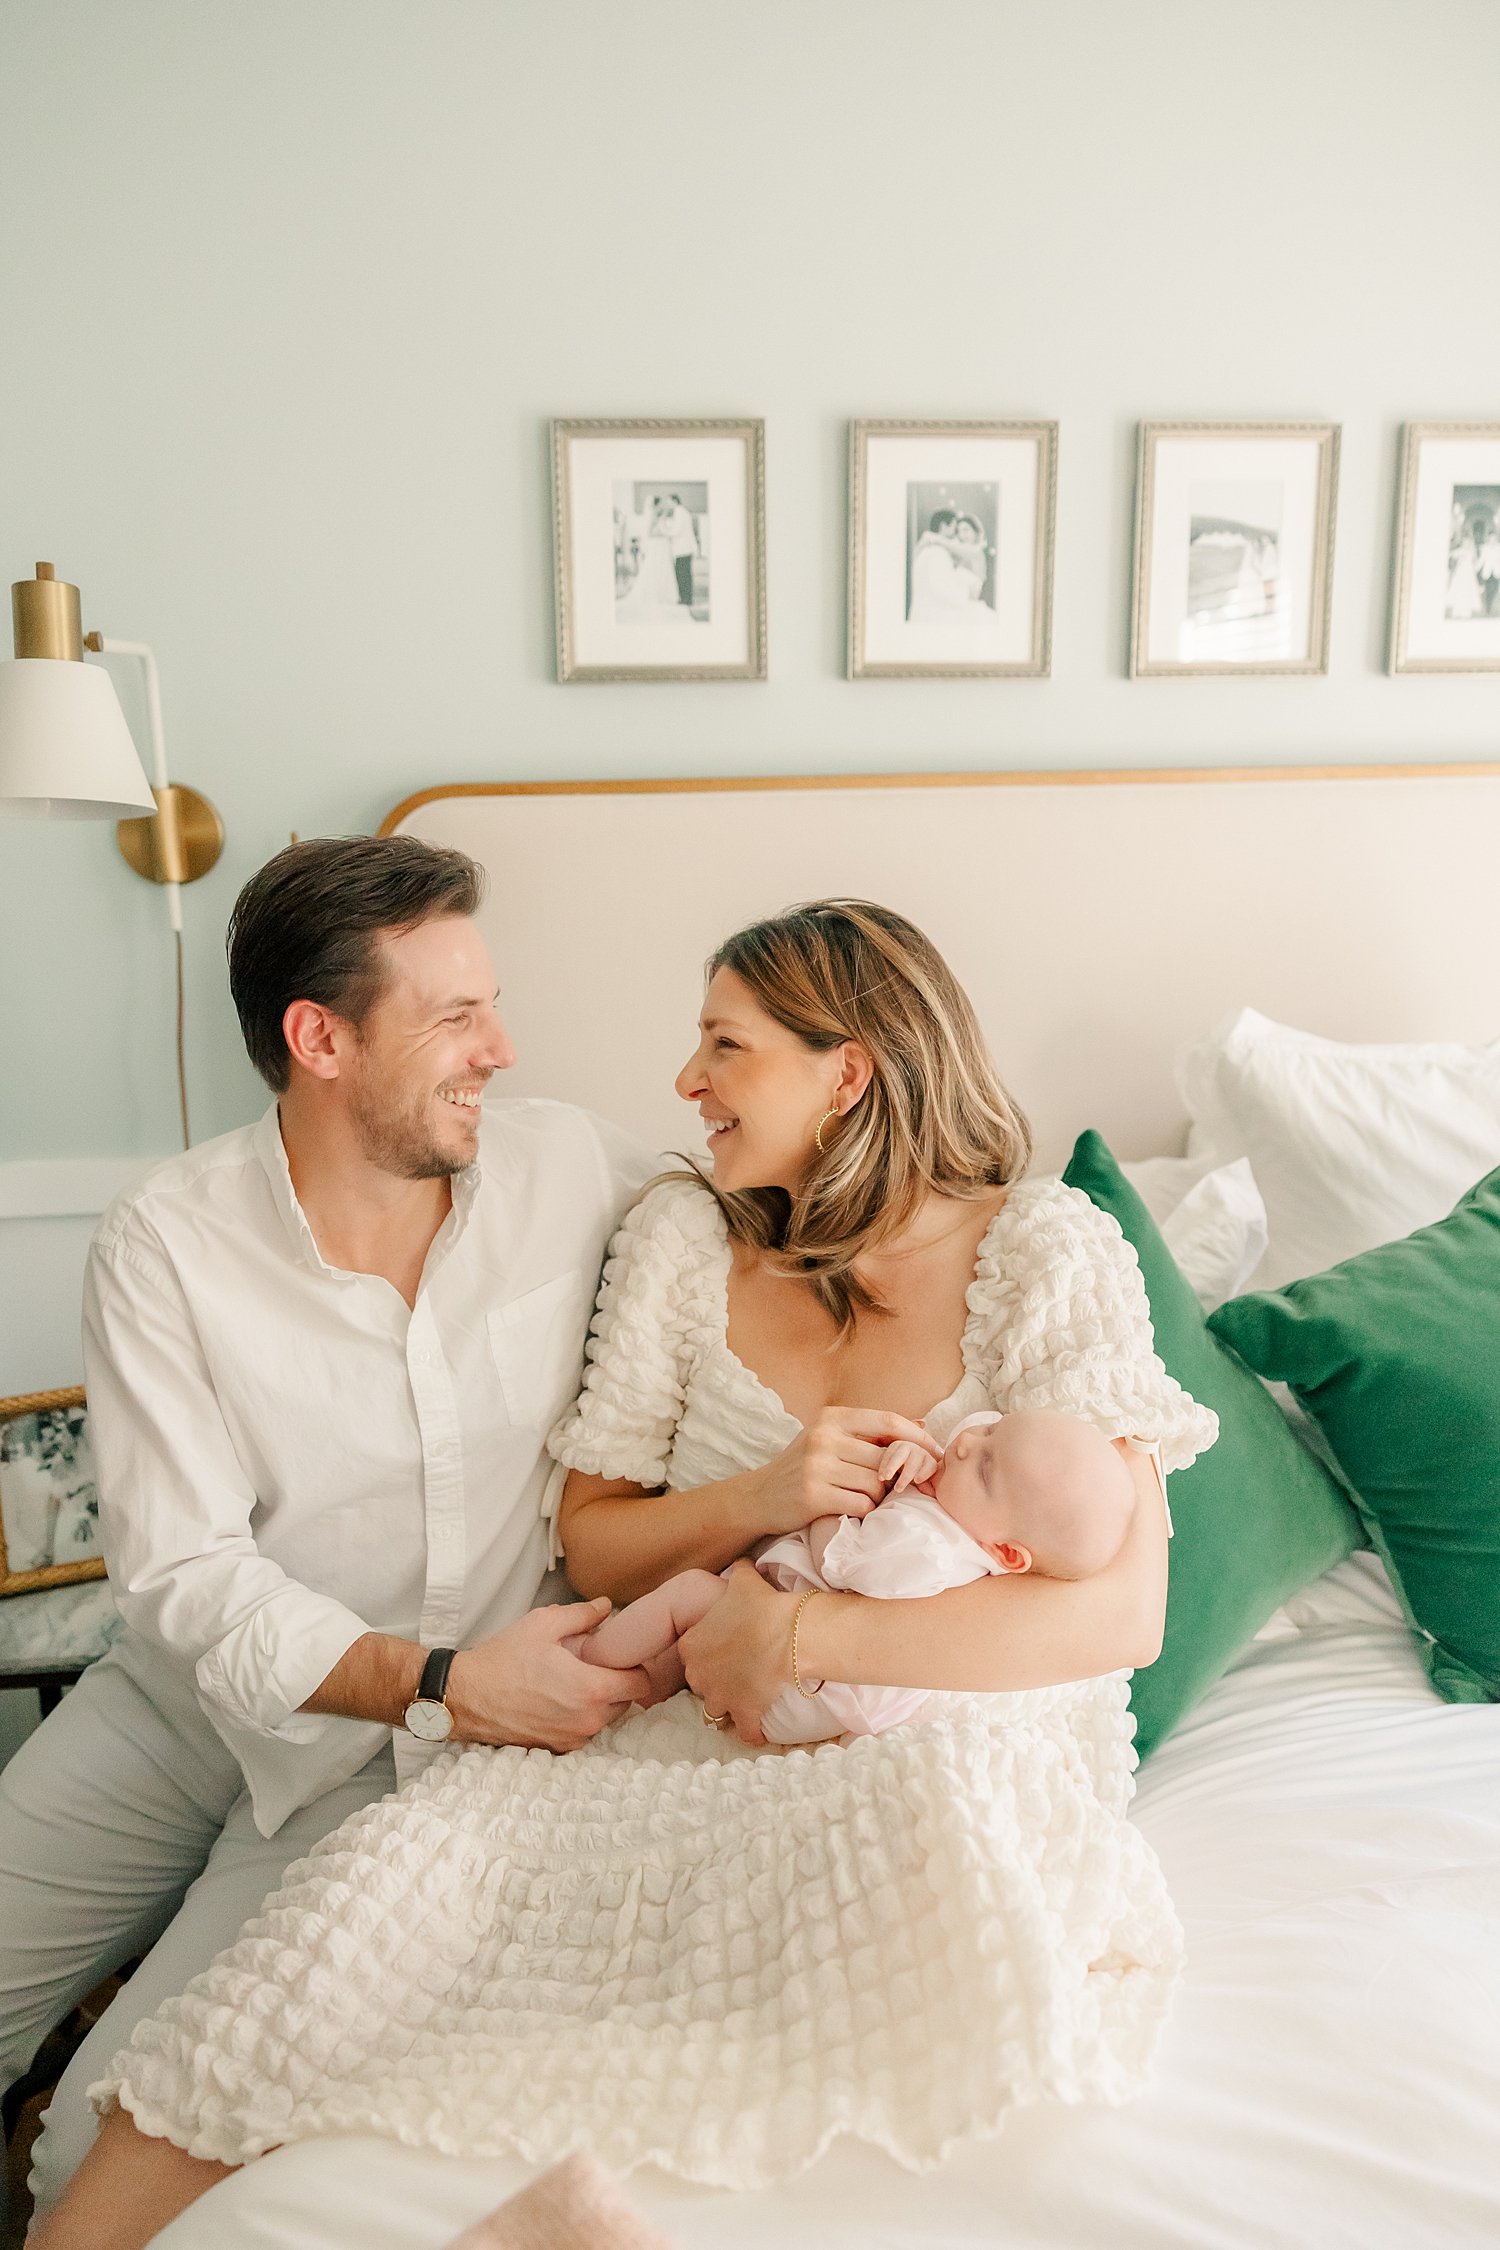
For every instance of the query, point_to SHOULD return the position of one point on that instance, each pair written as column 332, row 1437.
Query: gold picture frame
column 1293, row 468
column 47, row 1492
column 1457, row 463
column 659, row 549
column 984, row 474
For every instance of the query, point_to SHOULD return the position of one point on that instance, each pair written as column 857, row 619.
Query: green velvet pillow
column 1396, row 1356
column 1256, row 1517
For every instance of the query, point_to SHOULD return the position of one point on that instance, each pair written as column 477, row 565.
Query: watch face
column 429, row 1722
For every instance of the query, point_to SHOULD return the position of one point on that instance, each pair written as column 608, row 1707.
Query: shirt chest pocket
column 536, row 1343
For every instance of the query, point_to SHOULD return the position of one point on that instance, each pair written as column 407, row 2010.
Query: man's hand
column 740, row 1657
column 522, row 1686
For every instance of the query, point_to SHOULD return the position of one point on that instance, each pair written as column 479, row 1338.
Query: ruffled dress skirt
column 670, row 1950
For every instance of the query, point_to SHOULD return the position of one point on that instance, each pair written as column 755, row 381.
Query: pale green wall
column 290, row 288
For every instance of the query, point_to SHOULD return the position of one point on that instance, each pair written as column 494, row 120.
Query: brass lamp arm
column 175, row 845
column 168, row 837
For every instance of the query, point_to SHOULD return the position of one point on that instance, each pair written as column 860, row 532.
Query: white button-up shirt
column 289, row 1457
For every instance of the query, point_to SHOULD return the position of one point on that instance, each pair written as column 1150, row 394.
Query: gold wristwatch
column 427, row 1716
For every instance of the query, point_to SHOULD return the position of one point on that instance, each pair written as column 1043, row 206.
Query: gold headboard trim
column 1062, row 778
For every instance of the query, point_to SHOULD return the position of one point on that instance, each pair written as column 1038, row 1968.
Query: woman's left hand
column 739, row 1658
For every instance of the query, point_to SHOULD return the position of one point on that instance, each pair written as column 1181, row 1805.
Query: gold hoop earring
column 818, row 1130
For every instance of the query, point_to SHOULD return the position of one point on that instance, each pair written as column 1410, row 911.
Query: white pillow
column 1351, row 1146
column 1211, row 1217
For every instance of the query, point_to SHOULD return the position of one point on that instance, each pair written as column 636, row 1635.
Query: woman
column 667, row 1948
column 652, row 597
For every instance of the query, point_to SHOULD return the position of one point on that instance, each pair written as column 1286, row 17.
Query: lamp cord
column 187, row 1139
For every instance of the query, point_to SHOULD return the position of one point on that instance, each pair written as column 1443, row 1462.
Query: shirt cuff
column 263, row 1670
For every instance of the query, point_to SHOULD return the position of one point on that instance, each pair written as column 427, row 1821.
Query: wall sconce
column 66, row 753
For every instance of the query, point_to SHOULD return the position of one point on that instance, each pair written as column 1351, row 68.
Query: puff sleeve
column 641, row 1339
column 1059, row 1319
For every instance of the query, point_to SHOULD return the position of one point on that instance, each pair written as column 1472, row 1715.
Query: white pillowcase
column 1211, row 1217
column 1351, row 1146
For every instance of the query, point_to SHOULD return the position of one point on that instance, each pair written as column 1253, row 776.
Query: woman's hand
column 833, row 1469
column 740, row 1657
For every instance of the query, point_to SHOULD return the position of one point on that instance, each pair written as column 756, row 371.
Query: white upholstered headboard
column 1100, row 920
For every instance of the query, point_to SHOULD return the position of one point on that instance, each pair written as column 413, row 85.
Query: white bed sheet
column 1330, row 2079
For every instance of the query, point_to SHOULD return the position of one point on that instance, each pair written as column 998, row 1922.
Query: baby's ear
column 1017, row 1560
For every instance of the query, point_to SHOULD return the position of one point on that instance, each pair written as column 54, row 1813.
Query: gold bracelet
column 802, row 1603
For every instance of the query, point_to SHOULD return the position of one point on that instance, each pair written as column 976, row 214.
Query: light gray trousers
column 125, row 1825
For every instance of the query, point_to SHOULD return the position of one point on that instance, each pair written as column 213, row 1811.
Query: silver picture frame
column 1223, row 443
column 1420, row 612
column 1035, row 545
column 589, row 647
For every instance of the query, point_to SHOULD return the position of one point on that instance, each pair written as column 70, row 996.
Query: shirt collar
column 271, row 1150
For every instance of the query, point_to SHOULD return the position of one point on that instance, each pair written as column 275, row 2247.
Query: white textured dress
column 668, row 1948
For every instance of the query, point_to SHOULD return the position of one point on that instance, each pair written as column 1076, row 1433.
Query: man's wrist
column 468, row 1725
column 403, row 1666
column 374, row 1679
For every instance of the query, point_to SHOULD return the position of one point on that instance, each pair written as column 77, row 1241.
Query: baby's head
column 1038, row 1491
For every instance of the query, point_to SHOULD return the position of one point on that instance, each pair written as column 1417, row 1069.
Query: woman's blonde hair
column 935, row 1118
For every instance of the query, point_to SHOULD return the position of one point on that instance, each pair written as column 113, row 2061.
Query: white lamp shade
column 65, row 750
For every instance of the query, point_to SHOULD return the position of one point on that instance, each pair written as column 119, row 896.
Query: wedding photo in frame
column 1233, row 548
column 1445, row 598
column 950, row 549
column 49, row 1507
column 659, row 548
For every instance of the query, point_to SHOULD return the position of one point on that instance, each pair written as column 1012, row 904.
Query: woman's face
column 761, row 1090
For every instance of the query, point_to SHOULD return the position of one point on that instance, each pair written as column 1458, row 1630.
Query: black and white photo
column 1235, row 587
column 1445, row 601
column 1234, row 548
column 951, row 553
column 951, row 548
column 1473, row 553
column 659, row 550
column 49, row 1507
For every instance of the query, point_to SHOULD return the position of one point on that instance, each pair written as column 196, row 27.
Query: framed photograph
column 1445, row 603
column 950, row 549
column 659, row 537
column 49, row 1509
column 1233, row 548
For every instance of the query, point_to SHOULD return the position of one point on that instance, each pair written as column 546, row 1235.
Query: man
column 323, row 1354
column 683, row 534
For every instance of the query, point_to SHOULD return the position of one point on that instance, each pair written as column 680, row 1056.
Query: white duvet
column 1330, row 2077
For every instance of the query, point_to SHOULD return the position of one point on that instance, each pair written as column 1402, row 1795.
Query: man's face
column 426, row 1051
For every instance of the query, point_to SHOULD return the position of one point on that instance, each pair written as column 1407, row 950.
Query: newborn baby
column 1009, row 1493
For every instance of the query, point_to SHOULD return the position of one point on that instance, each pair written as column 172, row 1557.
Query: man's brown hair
column 308, row 926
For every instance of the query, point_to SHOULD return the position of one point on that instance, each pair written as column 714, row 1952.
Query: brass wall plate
column 180, row 842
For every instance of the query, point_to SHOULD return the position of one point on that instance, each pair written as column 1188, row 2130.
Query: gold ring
column 710, row 1721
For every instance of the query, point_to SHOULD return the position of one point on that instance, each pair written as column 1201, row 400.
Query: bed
column 1329, row 1829
column 1331, row 2075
